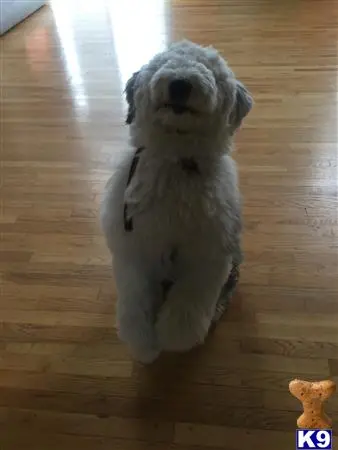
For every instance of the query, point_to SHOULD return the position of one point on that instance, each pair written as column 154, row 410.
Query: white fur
column 194, row 216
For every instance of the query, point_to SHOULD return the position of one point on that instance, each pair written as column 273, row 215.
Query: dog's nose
column 179, row 90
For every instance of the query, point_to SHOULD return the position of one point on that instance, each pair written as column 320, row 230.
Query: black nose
column 179, row 90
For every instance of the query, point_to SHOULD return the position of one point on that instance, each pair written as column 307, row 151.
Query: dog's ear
column 129, row 90
column 242, row 106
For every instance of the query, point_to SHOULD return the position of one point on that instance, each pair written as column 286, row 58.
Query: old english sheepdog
column 171, row 213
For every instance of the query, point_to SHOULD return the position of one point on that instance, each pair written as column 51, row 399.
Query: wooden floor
column 65, row 380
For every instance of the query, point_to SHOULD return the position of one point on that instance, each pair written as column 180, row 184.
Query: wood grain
column 65, row 379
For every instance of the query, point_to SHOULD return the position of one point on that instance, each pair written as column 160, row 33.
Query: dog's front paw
column 144, row 355
column 180, row 328
column 139, row 337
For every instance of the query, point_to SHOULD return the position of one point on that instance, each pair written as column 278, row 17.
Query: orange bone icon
column 312, row 395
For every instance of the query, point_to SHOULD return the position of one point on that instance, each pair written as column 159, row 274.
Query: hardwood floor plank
column 293, row 348
column 53, row 384
column 86, row 425
column 53, row 298
column 26, row 332
column 238, row 437
column 167, row 410
column 62, row 363
column 30, row 441
column 53, row 318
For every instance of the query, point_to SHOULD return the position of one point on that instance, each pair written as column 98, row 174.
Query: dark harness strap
column 189, row 165
column 128, row 222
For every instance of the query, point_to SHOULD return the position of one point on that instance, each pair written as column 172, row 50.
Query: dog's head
column 187, row 89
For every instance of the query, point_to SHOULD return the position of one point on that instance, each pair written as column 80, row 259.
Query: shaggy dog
column 171, row 213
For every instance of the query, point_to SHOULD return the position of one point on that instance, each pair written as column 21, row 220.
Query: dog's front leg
column 184, row 319
column 137, row 296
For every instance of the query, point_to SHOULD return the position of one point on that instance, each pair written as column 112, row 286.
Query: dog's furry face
column 187, row 89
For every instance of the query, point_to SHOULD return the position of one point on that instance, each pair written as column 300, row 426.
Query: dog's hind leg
column 230, row 285
column 226, row 294
column 136, row 305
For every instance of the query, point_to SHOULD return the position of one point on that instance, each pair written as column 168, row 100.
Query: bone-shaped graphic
column 312, row 395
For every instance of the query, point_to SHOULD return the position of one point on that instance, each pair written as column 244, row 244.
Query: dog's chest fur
column 187, row 195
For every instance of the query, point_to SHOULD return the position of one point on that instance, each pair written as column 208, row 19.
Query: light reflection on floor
column 139, row 32
column 64, row 21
